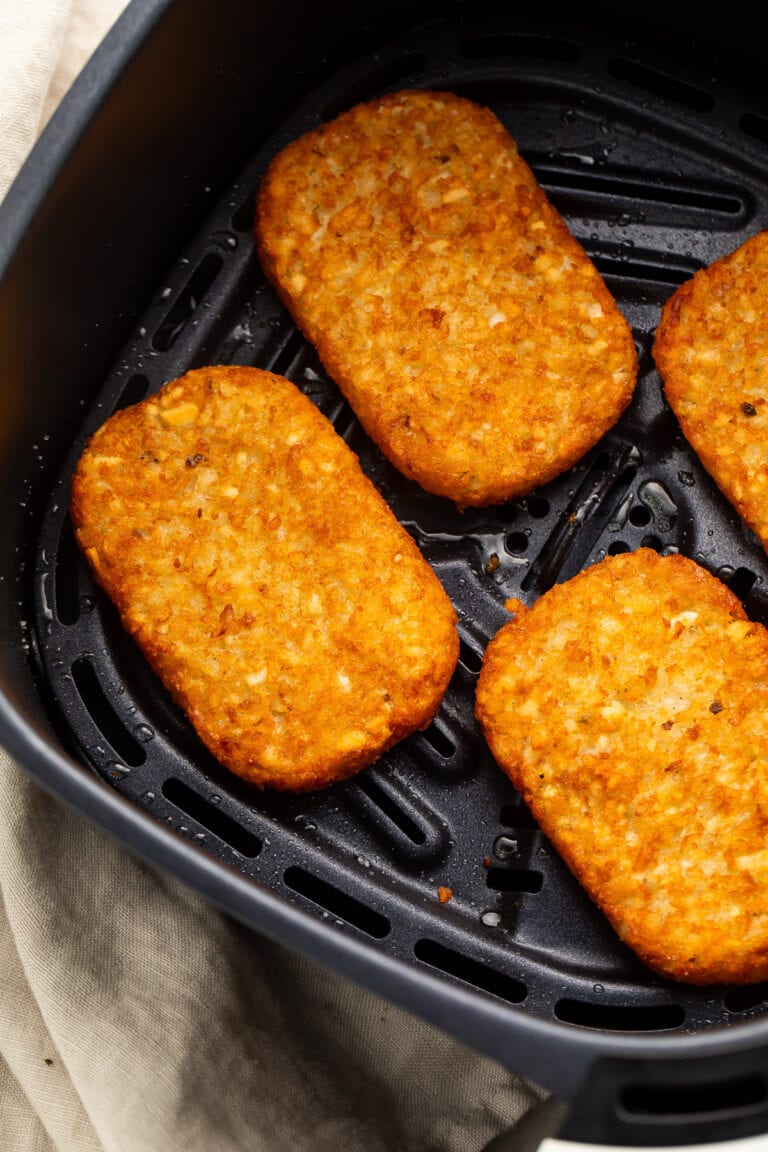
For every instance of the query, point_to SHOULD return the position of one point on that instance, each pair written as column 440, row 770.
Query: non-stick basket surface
column 657, row 172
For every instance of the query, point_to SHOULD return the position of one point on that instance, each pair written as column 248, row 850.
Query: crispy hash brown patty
column 266, row 581
column 711, row 349
column 469, row 331
column 630, row 707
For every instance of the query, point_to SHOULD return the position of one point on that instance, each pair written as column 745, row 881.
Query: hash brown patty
column 468, row 329
column 711, row 349
column 270, row 587
column 630, row 707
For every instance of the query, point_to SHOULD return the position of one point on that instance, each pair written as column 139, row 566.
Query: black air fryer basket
column 128, row 259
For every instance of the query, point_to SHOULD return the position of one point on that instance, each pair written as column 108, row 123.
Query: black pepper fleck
column 716, row 707
column 749, row 409
column 667, row 725
column 193, row 461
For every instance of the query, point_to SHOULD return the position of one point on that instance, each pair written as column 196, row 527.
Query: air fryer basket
column 658, row 170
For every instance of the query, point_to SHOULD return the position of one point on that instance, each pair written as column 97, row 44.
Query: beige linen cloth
column 133, row 1016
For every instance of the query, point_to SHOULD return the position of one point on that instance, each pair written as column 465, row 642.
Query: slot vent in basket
column 471, row 660
column 243, row 216
column 661, row 84
column 68, row 565
column 755, row 126
column 517, row 815
column 405, row 824
column 284, row 361
column 741, row 999
column 437, row 738
column 514, row 880
column 620, row 1017
column 739, row 1095
column 187, row 302
column 470, row 971
column 742, row 582
column 394, row 811
column 520, row 47
column 627, row 269
column 136, row 388
column 628, row 187
column 103, row 715
column 585, row 517
column 210, row 816
column 385, row 76
column 338, row 903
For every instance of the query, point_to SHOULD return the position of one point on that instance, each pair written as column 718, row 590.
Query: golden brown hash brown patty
column 711, row 350
column 630, row 707
column 263, row 576
column 468, row 329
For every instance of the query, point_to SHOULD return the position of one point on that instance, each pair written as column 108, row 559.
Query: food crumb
column 444, row 894
column 487, row 862
column 493, row 563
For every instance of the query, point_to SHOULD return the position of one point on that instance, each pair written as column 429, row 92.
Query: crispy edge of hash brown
column 683, row 328
column 438, row 459
column 687, row 946
column 163, row 426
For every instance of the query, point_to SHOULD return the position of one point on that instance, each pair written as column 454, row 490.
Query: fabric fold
column 171, row 1027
